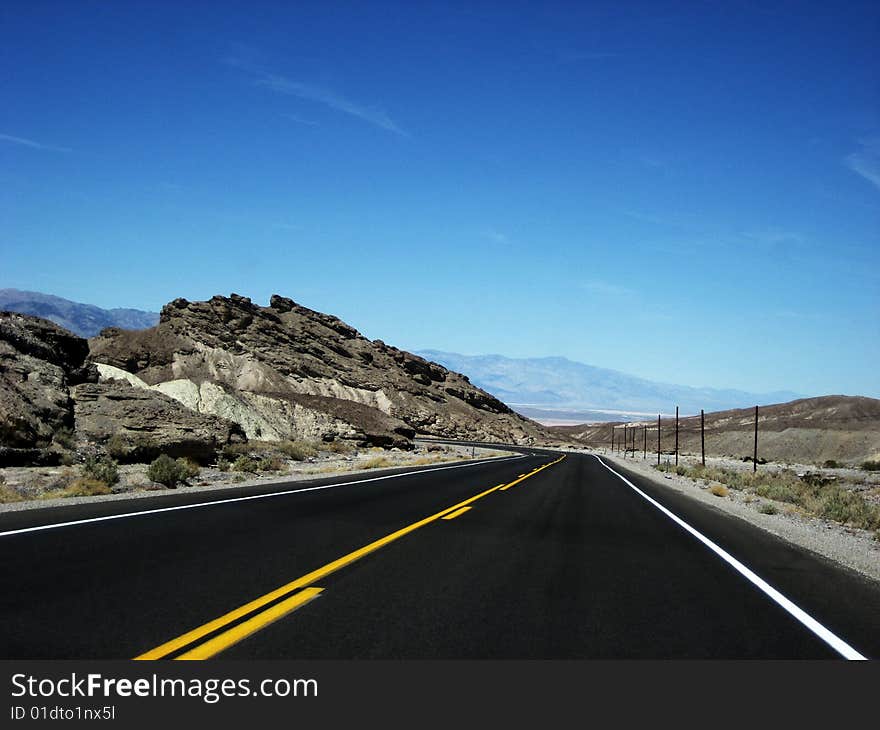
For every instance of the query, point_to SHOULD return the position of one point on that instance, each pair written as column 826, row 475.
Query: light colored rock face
column 284, row 371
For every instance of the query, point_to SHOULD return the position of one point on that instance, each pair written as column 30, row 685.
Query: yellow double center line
column 231, row 636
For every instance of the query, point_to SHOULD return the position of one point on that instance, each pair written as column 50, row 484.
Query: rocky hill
column 50, row 400
column 85, row 320
column 808, row 430
column 285, row 371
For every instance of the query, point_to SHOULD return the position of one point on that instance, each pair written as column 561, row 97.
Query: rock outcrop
column 285, row 371
column 50, row 398
column 39, row 361
column 141, row 424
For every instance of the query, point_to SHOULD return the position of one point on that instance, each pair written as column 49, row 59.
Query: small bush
column 376, row 463
column 871, row 465
column 171, row 472
column 83, row 487
column 246, row 464
column 101, row 469
column 338, row 447
column 768, row 509
column 271, row 463
column 223, row 464
column 118, row 447
column 7, row 493
column 832, row 464
column 719, row 490
column 65, row 438
column 298, row 450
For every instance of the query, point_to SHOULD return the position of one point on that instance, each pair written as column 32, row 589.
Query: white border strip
column 230, row 500
column 834, row 641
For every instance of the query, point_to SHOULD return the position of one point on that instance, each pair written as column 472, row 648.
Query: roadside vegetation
column 171, row 472
column 812, row 494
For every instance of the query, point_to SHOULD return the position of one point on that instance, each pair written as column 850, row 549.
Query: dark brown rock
column 146, row 423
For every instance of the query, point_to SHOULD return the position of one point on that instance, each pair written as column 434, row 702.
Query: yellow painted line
column 316, row 575
column 252, row 625
column 523, row 477
column 453, row 515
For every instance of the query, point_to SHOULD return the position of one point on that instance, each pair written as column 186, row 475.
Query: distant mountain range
column 555, row 389
column 85, row 320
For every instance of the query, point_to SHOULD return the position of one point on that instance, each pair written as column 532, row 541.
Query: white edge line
column 196, row 505
column 829, row 637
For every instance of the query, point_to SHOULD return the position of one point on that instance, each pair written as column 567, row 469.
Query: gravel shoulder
column 853, row 548
column 134, row 483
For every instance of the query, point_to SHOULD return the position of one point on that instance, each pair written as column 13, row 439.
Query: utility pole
column 755, row 455
column 625, row 437
column 645, row 450
column 703, row 435
column 612, row 439
column 658, row 439
column 676, row 435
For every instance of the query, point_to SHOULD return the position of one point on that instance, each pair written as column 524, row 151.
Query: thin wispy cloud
column 776, row 236
column 31, row 143
column 321, row 95
column 866, row 162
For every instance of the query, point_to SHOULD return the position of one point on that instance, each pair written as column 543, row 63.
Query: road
column 531, row 556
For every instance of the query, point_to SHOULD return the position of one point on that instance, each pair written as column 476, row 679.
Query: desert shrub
column 376, row 462
column 223, row 464
column 118, row 447
column 840, row 505
column 338, row 447
column 719, row 490
column 832, row 464
column 65, row 438
column 270, row 463
column 189, row 469
column 767, row 508
column 82, row 487
column 170, row 472
column 245, row 464
column 871, row 465
column 7, row 493
column 778, row 492
column 102, row 469
column 297, row 450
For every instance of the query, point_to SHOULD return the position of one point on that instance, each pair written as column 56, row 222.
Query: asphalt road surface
column 528, row 557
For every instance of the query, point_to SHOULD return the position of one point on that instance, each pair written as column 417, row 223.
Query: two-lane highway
column 537, row 555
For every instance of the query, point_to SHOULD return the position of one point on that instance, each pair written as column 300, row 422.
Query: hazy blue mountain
column 562, row 388
column 85, row 320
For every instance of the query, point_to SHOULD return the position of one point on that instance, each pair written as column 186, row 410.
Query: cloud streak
column 372, row 115
column 866, row 162
column 31, row 143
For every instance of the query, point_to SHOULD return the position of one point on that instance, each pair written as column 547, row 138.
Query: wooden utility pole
column 625, row 440
column 755, row 455
column 676, row 435
column 658, row 439
column 612, row 439
column 703, row 435
column 645, row 451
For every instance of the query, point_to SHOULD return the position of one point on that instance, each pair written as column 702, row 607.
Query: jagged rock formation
column 49, row 396
column 39, row 361
column 285, row 371
column 143, row 424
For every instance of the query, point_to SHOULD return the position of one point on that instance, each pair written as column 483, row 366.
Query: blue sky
column 683, row 191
